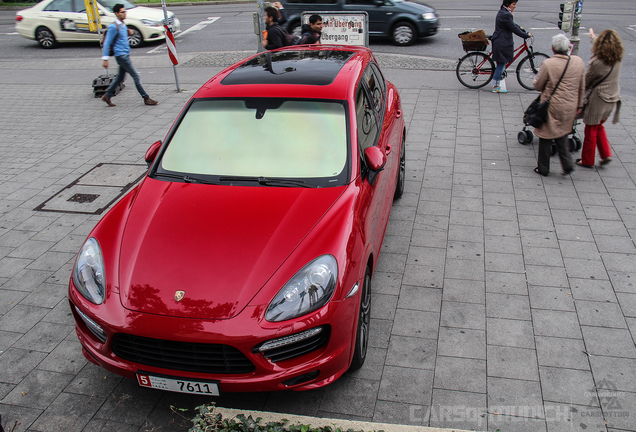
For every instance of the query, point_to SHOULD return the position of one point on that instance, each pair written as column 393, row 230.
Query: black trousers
column 545, row 151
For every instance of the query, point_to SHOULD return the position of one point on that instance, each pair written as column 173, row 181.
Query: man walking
column 311, row 32
column 275, row 33
column 117, row 37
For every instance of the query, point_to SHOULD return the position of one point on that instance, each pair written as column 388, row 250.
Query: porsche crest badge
column 179, row 295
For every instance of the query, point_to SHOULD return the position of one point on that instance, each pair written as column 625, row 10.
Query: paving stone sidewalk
column 502, row 299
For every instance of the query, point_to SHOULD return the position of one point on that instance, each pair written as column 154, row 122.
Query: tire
column 572, row 144
column 45, row 38
column 528, row 68
column 403, row 34
column 529, row 136
column 295, row 29
column 364, row 319
column 467, row 72
column 521, row 137
column 578, row 143
column 135, row 40
column 401, row 177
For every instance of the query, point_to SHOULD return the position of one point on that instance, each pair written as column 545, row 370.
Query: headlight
column 309, row 290
column 151, row 23
column 429, row 16
column 88, row 273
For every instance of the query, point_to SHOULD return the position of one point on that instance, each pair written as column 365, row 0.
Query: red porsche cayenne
column 243, row 260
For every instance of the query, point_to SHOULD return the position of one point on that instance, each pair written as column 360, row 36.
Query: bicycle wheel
column 475, row 70
column 528, row 69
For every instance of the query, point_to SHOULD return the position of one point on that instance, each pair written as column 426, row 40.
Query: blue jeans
column 125, row 65
column 498, row 72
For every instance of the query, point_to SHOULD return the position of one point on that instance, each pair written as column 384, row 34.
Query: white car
column 53, row 21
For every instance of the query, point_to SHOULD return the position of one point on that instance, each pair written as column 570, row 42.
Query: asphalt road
column 229, row 27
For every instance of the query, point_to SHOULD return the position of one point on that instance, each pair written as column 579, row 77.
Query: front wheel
column 403, row 33
column 475, row 70
column 45, row 38
column 528, row 69
column 364, row 319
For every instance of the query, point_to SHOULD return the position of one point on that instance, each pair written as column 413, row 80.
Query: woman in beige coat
column 565, row 104
column 601, row 83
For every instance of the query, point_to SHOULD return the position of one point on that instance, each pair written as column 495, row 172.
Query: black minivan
column 402, row 21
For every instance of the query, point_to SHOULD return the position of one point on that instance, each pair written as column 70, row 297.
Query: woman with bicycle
column 502, row 41
column 603, row 94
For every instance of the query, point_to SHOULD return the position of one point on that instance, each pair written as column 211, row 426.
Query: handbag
column 537, row 113
column 588, row 93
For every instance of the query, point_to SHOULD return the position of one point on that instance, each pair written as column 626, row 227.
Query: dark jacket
column 503, row 47
column 275, row 36
column 307, row 31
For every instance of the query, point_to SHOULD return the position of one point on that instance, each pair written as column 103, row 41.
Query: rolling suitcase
column 102, row 82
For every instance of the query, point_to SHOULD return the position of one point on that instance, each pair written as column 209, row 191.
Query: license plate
column 178, row 384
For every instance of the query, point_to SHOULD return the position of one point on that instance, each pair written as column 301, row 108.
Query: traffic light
column 566, row 16
column 578, row 8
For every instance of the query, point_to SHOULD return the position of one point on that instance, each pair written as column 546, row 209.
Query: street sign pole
column 578, row 9
column 260, row 5
column 172, row 49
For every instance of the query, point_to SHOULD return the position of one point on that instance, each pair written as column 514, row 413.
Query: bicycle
column 476, row 68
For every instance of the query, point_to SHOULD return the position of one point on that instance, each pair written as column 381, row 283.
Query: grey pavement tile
column 380, row 333
column 502, row 244
column 510, row 362
column 496, row 198
column 465, row 233
column 420, row 298
column 44, row 336
column 383, row 306
column 627, row 303
column 565, row 231
column 594, row 290
column 613, row 373
column 579, row 249
column 386, row 283
column 31, row 249
column 463, row 315
column 504, row 262
column 621, row 244
column 129, row 403
column 22, row 318
column 505, row 228
column 562, row 352
column 400, row 228
column 618, row 409
column 93, row 380
column 341, row 416
column 418, row 275
column 108, row 425
column 372, row 368
column 572, row 217
column 515, row 394
column 9, row 298
column 601, row 212
column 556, row 323
column 506, row 332
column 608, row 342
column 416, row 323
column 15, row 238
column 60, row 314
column 547, row 276
column 46, row 295
column 551, row 298
column 51, row 261
column 618, row 261
column 391, row 263
column 7, row 339
column 437, row 208
column 463, row 290
column 461, row 374
column 395, row 244
column 300, row 403
column 18, row 419
column 603, row 227
column 65, row 358
column 413, row 386
column 563, row 385
column 38, row 389
column 623, row 281
column 458, row 342
column 423, row 222
column 429, row 237
column 508, row 283
column 68, row 412
column 465, row 250
column 411, row 352
column 519, row 420
column 507, row 306
column 9, row 267
column 400, row 413
column 570, row 418
column 500, row 212
column 533, row 208
column 161, row 416
column 464, row 269
column 535, row 222
column 426, row 256
column 600, row 314
column 467, row 218
column 457, row 410
column 544, row 238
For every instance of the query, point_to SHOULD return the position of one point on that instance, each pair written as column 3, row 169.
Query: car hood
column 218, row 244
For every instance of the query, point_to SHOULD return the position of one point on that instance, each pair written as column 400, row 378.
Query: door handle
column 398, row 114
column 388, row 149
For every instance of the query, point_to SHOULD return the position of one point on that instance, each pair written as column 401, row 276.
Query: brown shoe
column 148, row 101
column 106, row 99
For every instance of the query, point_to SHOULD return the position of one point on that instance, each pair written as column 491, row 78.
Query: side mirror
column 376, row 159
column 151, row 153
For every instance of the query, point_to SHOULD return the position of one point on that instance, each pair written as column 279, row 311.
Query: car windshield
column 262, row 138
column 109, row 4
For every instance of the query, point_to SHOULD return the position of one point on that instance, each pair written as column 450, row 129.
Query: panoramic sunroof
column 307, row 67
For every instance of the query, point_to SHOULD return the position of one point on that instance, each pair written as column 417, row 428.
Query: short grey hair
column 560, row 44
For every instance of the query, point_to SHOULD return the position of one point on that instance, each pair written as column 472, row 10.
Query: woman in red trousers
column 601, row 83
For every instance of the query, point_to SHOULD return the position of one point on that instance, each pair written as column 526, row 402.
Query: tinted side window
column 60, row 6
column 377, row 87
column 313, row 1
column 366, row 120
column 362, row 2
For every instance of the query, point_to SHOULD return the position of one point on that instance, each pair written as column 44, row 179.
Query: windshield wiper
column 184, row 178
column 269, row 181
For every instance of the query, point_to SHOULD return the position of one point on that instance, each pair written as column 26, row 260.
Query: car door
column 63, row 18
column 377, row 14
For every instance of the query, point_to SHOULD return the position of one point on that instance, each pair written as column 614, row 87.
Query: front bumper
column 243, row 332
column 427, row 28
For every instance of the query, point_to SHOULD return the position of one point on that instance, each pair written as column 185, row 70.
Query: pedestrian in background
column 503, row 48
column 274, row 36
column 311, row 32
column 117, row 36
column 603, row 94
column 565, row 103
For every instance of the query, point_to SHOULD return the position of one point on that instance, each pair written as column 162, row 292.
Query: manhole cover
column 83, row 198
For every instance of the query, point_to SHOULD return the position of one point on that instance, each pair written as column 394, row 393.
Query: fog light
column 301, row 379
column 92, row 326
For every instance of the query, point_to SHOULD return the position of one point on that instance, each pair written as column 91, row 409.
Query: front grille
column 298, row 348
column 181, row 356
